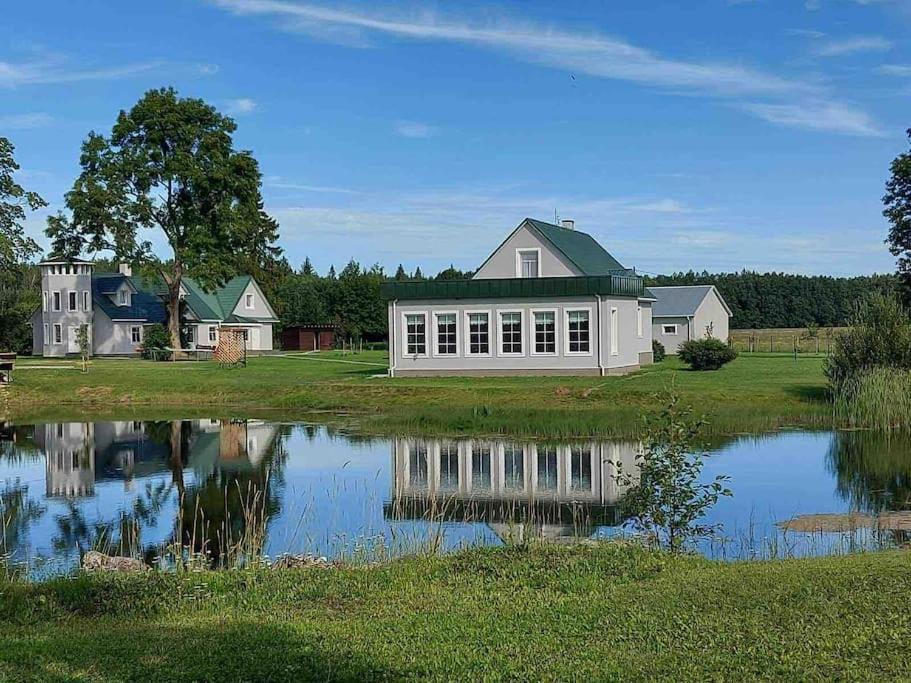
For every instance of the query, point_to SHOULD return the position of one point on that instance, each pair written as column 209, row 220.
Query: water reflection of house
column 558, row 489
column 80, row 454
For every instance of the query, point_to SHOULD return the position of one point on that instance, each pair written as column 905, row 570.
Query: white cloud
column 281, row 184
column 414, row 129
column 54, row 69
column 818, row 116
column 848, row 46
column 241, row 105
column 901, row 70
column 589, row 53
column 25, row 121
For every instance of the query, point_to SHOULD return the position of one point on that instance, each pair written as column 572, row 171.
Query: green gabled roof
column 205, row 305
column 580, row 248
column 230, row 294
column 217, row 305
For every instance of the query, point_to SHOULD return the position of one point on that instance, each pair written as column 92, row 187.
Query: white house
column 118, row 308
column 688, row 312
column 549, row 300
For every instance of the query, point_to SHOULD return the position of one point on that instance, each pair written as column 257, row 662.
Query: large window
column 479, row 334
column 57, row 301
column 72, row 301
column 449, row 466
column 528, row 263
column 577, row 331
column 416, row 334
column 547, row 468
column 511, row 333
column 514, row 467
column 446, row 334
column 136, row 334
column 545, row 332
column 580, row 465
column 58, row 334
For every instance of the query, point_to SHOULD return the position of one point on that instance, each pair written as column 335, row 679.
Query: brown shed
column 309, row 337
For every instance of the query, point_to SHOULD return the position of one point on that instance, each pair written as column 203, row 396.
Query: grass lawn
column 755, row 392
column 595, row 612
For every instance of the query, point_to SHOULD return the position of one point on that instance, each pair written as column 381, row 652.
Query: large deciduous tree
column 169, row 165
column 898, row 210
column 15, row 246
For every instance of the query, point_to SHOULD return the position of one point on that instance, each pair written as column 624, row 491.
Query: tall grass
column 879, row 398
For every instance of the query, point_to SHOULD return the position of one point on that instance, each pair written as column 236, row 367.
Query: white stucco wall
column 711, row 312
column 671, row 342
column 502, row 263
column 113, row 338
column 260, row 307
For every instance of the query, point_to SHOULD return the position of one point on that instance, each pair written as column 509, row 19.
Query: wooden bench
column 7, row 363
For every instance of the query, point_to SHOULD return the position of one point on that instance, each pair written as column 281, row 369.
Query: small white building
column 117, row 309
column 688, row 312
column 549, row 300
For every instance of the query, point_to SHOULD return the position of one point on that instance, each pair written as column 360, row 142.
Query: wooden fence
column 815, row 342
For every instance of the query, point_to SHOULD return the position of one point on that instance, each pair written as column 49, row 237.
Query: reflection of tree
column 121, row 536
column 17, row 512
column 873, row 470
column 226, row 515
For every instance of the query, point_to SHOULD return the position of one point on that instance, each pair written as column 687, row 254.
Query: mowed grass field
column 607, row 611
column 785, row 340
column 755, row 392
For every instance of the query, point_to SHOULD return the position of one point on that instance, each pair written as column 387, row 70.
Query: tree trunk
column 174, row 305
column 176, row 459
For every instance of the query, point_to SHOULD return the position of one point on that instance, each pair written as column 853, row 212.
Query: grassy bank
column 752, row 393
column 580, row 613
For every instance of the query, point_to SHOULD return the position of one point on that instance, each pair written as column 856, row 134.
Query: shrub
column 658, row 352
column 879, row 336
column 156, row 339
column 706, row 354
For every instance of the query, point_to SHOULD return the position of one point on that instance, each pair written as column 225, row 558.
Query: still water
column 223, row 488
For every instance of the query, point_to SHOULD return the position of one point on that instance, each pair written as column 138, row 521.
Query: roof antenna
column 555, row 216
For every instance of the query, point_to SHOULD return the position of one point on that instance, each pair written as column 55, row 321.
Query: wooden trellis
column 232, row 347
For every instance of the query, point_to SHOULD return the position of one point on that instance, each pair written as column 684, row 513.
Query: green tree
column 15, row 245
column 169, row 165
column 897, row 201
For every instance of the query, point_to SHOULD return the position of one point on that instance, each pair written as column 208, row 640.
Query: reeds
column 879, row 398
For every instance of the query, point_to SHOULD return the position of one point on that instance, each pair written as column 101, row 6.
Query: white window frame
column 86, row 306
column 528, row 250
column 57, row 301
column 46, row 339
column 639, row 320
column 57, row 339
column 44, row 301
column 666, row 333
column 72, row 301
column 191, row 334
column 132, row 329
column 522, row 331
column 491, row 338
column 614, row 331
column 591, row 319
column 213, row 334
column 427, row 340
column 435, row 335
column 123, row 297
column 531, row 332
column 249, row 301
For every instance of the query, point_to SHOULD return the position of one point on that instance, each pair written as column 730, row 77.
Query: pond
column 225, row 488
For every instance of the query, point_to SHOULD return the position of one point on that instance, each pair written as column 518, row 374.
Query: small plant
column 706, row 354
column 157, row 340
column 666, row 498
column 82, row 340
column 658, row 351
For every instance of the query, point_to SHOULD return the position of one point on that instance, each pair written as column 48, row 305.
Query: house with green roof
column 550, row 300
column 118, row 308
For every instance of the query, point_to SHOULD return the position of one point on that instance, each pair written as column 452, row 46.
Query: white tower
column 66, row 305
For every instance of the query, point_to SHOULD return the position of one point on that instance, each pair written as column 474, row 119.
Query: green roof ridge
column 582, row 250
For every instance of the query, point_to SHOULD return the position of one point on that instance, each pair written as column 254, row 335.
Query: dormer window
column 123, row 298
column 528, row 263
column 248, row 301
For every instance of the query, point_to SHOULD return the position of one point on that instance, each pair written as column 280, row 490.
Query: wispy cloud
column 839, row 47
column 281, row 184
column 587, row 53
column 901, row 70
column 414, row 129
column 818, row 116
column 56, row 69
column 241, row 105
column 25, row 121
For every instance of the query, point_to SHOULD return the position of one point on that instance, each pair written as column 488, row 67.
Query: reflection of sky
column 332, row 493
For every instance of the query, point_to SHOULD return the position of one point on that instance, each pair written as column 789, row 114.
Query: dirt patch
column 95, row 394
column 849, row 521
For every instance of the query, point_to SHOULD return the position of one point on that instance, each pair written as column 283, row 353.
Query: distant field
column 785, row 340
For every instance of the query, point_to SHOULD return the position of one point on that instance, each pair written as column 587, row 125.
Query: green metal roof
column 515, row 288
column 582, row 250
column 217, row 305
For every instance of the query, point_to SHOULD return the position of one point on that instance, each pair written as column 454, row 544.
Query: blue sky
column 722, row 134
